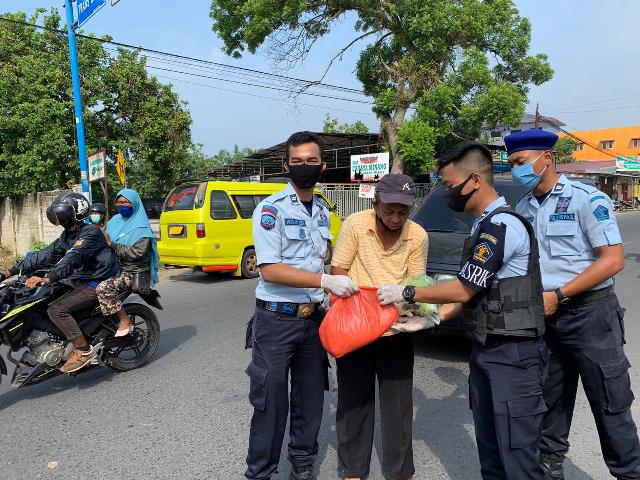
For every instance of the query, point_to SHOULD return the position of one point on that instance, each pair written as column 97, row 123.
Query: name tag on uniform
column 562, row 217
column 295, row 222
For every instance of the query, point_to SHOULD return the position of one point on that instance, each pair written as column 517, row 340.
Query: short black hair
column 300, row 138
column 475, row 155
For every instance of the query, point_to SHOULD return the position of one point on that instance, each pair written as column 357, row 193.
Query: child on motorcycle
column 129, row 234
column 98, row 214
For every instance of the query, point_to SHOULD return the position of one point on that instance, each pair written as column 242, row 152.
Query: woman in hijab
column 129, row 234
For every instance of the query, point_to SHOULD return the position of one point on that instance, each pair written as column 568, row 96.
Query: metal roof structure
column 268, row 162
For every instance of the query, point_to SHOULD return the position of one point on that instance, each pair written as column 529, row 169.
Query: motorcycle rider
column 82, row 257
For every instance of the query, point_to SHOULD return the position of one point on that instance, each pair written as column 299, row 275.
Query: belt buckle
column 305, row 310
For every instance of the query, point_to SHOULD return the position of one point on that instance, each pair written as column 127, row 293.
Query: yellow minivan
column 207, row 224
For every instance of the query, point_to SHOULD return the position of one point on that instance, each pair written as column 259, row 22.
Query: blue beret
column 533, row 139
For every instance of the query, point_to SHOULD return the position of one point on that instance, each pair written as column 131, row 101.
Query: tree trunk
column 391, row 125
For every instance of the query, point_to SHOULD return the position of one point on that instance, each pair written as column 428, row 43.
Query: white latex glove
column 410, row 324
column 390, row 294
column 339, row 285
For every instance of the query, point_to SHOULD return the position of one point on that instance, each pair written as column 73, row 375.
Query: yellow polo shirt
column 360, row 252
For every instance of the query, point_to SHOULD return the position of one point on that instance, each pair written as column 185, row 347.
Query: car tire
column 249, row 265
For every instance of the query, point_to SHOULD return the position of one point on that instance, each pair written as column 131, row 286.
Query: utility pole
column 77, row 101
column 537, row 125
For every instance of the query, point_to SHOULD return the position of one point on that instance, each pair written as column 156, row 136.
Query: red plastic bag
column 356, row 321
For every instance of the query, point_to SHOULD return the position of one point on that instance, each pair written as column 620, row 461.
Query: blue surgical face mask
column 526, row 176
column 125, row 210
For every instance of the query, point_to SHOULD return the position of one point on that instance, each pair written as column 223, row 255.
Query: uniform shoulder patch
column 268, row 216
column 489, row 237
column 601, row 213
column 482, row 252
column 596, row 198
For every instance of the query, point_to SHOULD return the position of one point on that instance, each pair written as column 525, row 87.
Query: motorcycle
column 25, row 326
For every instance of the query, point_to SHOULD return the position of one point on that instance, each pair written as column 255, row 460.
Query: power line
column 193, row 59
column 602, row 110
column 260, row 96
column 581, row 140
column 605, row 100
column 255, row 85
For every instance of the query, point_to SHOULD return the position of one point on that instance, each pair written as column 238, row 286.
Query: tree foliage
column 123, row 108
column 333, row 125
column 460, row 63
column 565, row 146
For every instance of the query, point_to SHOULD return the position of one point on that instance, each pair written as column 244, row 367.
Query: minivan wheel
column 249, row 266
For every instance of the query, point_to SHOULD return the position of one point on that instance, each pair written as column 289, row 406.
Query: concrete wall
column 24, row 221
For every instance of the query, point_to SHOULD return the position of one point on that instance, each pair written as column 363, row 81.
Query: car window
column 245, row 204
column 221, row 207
column 435, row 216
column 182, row 197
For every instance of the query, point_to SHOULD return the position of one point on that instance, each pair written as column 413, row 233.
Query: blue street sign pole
column 77, row 101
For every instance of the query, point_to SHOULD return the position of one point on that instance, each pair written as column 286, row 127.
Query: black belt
column 589, row 296
column 301, row 310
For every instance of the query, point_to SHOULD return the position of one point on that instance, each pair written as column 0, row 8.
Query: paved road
column 185, row 415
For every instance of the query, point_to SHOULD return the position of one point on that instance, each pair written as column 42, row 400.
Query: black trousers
column 60, row 311
column 390, row 359
column 587, row 342
column 283, row 346
column 506, row 376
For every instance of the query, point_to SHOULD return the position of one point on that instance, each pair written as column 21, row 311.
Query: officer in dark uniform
column 580, row 252
column 500, row 291
column 290, row 233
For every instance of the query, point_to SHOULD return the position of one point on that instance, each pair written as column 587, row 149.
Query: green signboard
column 627, row 164
column 504, row 156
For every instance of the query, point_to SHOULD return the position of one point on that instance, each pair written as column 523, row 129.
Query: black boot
column 302, row 473
column 551, row 464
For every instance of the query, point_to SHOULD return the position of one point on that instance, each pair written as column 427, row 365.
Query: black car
column 447, row 231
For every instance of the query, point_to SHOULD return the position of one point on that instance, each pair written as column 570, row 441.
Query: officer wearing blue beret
column 290, row 234
column 580, row 252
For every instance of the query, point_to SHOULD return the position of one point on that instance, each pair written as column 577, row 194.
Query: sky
column 592, row 46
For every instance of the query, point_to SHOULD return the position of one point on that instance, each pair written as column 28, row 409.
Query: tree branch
column 335, row 57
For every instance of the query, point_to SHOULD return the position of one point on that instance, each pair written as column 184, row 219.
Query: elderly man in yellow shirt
column 377, row 246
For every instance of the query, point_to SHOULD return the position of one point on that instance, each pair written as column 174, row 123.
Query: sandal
column 123, row 332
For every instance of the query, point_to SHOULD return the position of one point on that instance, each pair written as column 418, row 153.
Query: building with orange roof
column 606, row 143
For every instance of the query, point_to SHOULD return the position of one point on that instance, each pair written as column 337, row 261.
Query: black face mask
column 305, row 176
column 456, row 200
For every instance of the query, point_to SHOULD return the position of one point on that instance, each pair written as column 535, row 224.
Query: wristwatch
column 409, row 293
column 562, row 299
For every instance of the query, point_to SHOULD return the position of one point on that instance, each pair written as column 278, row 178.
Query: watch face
column 408, row 293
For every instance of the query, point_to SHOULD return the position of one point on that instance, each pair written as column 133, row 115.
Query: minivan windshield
column 182, row 197
column 435, row 216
